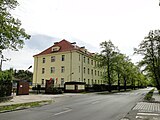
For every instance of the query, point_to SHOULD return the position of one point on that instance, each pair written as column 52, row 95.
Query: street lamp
column 3, row 60
column 29, row 67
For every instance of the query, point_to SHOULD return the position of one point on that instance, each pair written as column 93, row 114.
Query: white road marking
column 149, row 114
column 141, row 117
column 62, row 112
column 95, row 102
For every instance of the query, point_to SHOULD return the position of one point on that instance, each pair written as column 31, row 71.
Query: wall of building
column 38, row 76
column 77, row 67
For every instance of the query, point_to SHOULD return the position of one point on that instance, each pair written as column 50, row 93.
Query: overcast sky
column 87, row 22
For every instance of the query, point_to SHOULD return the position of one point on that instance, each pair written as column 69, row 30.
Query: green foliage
column 149, row 95
column 5, row 83
column 150, row 49
column 54, row 90
column 11, row 33
column 118, row 67
column 107, row 61
column 23, row 105
column 23, row 75
column 6, row 75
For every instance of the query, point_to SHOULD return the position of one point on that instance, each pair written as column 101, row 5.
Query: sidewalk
column 33, row 98
column 146, row 110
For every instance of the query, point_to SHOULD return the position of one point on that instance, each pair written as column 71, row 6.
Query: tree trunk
column 109, row 76
column 124, row 78
column 119, row 82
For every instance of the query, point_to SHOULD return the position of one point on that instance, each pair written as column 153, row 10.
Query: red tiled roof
column 64, row 46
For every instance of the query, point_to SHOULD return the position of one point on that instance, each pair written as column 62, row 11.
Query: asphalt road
column 82, row 107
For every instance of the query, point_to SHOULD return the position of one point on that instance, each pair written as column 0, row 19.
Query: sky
column 86, row 22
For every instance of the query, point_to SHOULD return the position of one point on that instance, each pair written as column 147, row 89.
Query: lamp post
column 29, row 67
column 2, row 60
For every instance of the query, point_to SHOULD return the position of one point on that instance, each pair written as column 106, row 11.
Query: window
column 88, row 60
column 52, row 69
column 53, row 58
column 84, row 59
column 84, row 80
column 92, row 71
column 84, row 70
column 95, row 72
column 88, row 70
column 79, row 69
column 62, row 81
column 63, row 57
column 42, row 81
column 44, row 60
column 95, row 81
column 92, row 82
column 91, row 62
column 98, row 73
column 43, row 70
column 79, row 57
column 88, row 81
column 62, row 69
column 95, row 63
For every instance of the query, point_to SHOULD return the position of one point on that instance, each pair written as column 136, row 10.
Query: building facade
column 66, row 62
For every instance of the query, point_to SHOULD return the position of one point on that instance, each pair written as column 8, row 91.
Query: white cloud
column 124, row 22
column 19, row 59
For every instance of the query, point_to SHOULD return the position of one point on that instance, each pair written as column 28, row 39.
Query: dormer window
column 55, row 49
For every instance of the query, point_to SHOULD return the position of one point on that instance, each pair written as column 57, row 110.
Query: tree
column 150, row 49
column 23, row 75
column 107, row 57
column 119, row 63
column 11, row 34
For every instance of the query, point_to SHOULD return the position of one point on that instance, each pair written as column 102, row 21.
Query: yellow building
column 65, row 62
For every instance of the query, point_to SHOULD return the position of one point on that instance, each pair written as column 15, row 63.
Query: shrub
column 54, row 90
column 5, row 83
column 149, row 95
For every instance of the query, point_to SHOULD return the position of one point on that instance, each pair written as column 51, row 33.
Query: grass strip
column 24, row 105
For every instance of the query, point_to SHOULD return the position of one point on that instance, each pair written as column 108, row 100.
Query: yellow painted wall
column 71, row 64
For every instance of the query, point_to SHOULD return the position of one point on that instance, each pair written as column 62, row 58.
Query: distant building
column 66, row 62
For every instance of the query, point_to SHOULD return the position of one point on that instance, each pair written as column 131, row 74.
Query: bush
column 57, row 91
column 5, row 83
column 149, row 95
column 54, row 90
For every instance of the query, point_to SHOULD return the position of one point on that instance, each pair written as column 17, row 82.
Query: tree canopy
column 150, row 49
column 11, row 34
column 118, row 68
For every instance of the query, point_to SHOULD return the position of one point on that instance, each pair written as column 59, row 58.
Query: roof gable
column 61, row 46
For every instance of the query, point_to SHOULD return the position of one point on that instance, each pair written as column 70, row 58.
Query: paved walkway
column 146, row 110
column 34, row 98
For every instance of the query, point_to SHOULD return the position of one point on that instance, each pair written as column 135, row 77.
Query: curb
column 40, row 104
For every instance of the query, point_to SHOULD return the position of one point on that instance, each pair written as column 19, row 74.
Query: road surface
column 82, row 107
